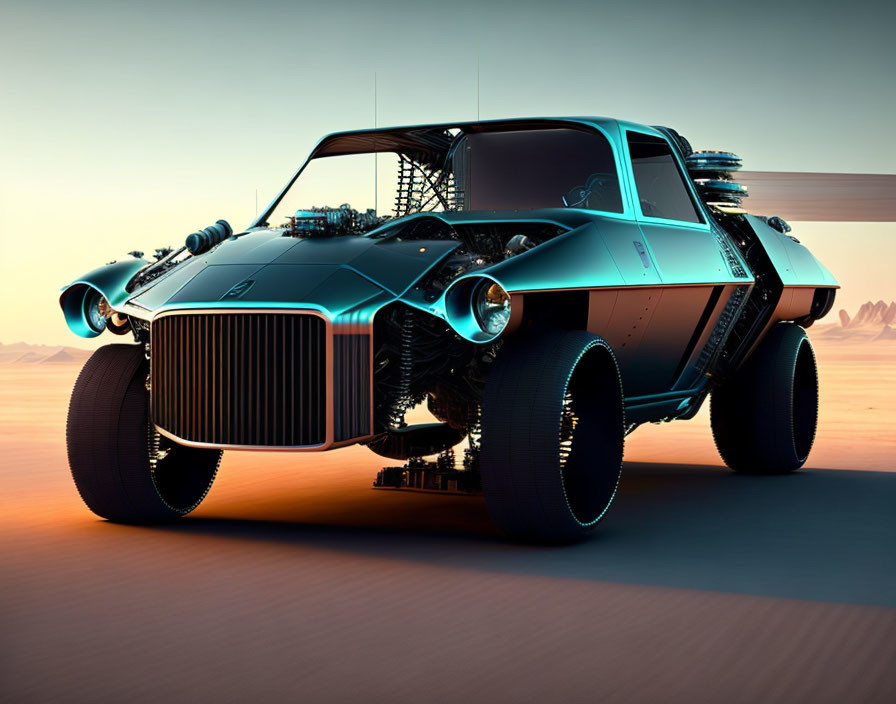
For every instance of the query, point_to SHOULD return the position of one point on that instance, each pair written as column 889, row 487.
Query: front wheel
column 123, row 469
column 552, row 436
column 764, row 419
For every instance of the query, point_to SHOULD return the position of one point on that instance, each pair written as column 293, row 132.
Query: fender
column 591, row 256
column 580, row 258
column 795, row 265
column 110, row 280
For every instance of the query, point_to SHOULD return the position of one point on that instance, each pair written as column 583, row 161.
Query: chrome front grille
column 241, row 378
column 352, row 386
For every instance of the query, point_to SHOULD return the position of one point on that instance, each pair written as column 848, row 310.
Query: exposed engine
column 482, row 245
column 333, row 222
column 420, row 358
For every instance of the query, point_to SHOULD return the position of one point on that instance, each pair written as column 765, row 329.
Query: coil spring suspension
column 474, row 444
column 406, row 372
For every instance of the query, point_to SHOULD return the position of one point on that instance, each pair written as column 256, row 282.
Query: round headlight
column 95, row 306
column 491, row 305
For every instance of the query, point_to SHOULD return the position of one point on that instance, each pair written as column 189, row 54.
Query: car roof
column 411, row 137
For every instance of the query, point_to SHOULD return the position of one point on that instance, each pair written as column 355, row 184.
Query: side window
column 660, row 183
column 537, row 168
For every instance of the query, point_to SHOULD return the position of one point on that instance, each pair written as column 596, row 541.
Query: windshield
column 501, row 170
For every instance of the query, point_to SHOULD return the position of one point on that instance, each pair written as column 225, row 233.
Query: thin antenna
column 376, row 195
column 478, row 47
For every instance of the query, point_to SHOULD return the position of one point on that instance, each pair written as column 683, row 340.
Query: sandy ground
column 856, row 415
column 295, row 580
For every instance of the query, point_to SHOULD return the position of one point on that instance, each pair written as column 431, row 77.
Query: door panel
column 625, row 242
column 686, row 255
column 650, row 329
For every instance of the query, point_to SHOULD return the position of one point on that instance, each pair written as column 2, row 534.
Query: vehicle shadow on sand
column 818, row 534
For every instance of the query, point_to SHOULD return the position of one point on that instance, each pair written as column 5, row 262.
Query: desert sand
column 296, row 581
column 856, row 414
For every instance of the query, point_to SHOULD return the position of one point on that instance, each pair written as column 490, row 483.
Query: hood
column 265, row 267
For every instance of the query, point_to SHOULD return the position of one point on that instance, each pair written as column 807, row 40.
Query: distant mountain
column 67, row 355
column 23, row 353
column 11, row 353
column 29, row 358
column 872, row 322
column 887, row 333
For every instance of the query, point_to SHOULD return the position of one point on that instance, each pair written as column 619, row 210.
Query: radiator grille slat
column 256, row 379
column 351, row 378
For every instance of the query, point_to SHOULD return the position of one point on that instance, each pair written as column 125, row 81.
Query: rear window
column 530, row 169
column 661, row 188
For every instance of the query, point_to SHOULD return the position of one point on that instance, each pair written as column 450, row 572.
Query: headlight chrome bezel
column 491, row 307
column 94, row 310
column 465, row 308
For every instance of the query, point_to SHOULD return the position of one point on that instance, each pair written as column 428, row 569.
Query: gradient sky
column 129, row 125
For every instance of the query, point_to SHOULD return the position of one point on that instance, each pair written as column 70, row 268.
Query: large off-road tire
column 764, row 419
column 552, row 436
column 123, row 469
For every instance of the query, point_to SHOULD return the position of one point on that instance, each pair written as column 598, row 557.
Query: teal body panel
column 331, row 289
column 794, row 263
column 153, row 295
column 333, row 275
column 581, row 258
column 110, row 280
column 350, row 278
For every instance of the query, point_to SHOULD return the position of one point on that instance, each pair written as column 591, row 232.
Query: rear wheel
column 764, row 419
column 552, row 436
column 123, row 469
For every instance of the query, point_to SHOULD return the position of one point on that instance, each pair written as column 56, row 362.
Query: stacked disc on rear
column 711, row 172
